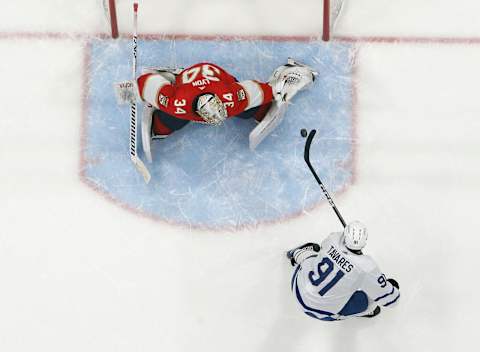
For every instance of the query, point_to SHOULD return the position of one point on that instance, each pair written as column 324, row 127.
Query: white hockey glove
column 287, row 80
column 299, row 254
column 126, row 92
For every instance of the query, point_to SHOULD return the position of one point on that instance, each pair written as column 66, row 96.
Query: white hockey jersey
column 325, row 281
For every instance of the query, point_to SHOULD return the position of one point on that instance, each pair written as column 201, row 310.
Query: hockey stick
column 133, row 107
column 306, row 156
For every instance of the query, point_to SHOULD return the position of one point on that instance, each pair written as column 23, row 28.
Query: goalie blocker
column 207, row 94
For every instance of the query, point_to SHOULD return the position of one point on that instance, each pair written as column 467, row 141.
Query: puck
column 303, row 132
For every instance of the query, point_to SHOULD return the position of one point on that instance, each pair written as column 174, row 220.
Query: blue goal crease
column 206, row 176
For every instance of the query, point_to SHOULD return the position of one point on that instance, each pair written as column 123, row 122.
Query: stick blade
column 308, row 143
column 141, row 168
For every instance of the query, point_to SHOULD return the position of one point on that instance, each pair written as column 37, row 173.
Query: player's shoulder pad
column 331, row 238
column 335, row 236
column 366, row 263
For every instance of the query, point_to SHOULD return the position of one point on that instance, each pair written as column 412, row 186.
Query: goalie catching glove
column 287, row 80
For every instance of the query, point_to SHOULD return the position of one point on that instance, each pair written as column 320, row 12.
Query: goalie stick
column 306, row 156
column 133, row 107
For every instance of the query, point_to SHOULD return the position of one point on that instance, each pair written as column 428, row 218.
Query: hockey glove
column 394, row 283
column 299, row 254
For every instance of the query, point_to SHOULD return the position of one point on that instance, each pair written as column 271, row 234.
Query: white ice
column 78, row 273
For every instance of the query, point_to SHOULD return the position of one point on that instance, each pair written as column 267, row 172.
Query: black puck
column 303, row 132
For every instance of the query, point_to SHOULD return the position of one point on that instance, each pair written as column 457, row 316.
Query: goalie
column 205, row 93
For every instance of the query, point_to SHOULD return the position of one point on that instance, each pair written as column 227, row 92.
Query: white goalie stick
column 133, row 108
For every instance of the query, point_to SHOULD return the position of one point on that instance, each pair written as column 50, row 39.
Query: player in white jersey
column 335, row 280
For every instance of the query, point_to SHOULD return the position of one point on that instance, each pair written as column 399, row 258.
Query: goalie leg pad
column 147, row 117
column 268, row 123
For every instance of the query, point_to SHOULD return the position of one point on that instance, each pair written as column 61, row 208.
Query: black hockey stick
column 306, row 156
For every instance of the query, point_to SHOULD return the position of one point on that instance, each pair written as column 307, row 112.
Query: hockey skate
column 307, row 247
column 375, row 312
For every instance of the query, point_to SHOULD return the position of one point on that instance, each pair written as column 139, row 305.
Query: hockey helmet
column 211, row 109
column 355, row 235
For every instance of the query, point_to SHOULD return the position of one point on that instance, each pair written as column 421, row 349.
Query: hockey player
column 336, row 281
column 205, row 93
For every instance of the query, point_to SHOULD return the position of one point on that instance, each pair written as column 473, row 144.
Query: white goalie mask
column 355, row 235
column 211, row 109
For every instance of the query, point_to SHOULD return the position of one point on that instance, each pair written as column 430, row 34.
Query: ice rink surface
column 78, row 272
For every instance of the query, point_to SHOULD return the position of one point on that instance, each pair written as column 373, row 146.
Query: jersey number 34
column 324, row 268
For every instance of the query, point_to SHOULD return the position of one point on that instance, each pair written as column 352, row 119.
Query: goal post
column 113, row 18
column 110, row 9
column 331, row 12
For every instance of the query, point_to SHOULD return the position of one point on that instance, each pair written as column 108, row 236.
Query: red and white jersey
column 178, row 99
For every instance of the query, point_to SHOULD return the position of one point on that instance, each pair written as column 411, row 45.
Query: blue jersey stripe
column 295, row 275
column 298, row 268
column 388, row 294
column 392, row 302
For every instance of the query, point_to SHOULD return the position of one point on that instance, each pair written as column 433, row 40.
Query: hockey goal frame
column 329, row 18
column 111, row 12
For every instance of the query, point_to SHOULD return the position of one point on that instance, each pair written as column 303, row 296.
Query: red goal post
column 331, row 12
column 110, row 9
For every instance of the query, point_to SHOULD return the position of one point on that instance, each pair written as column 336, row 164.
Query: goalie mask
column 211, row 109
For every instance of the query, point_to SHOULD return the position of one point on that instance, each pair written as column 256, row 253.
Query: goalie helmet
column 355, row 235
column 211, row 109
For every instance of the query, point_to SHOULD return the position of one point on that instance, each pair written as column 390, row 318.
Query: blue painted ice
column 207, row 176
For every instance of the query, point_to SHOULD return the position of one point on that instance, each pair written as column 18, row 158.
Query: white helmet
column 356, row 235
column 211, row 109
